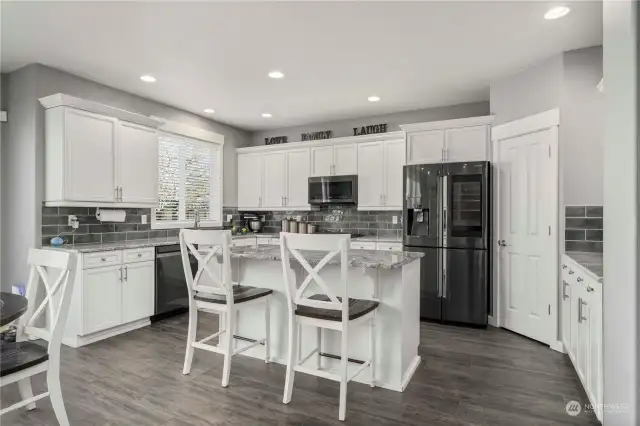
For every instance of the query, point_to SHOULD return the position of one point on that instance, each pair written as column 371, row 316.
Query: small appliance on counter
column 253, row 221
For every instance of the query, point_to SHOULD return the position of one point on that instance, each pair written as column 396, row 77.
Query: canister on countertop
column 293, row 227
column 285, row 225
column 311, row 228
column 302, row 228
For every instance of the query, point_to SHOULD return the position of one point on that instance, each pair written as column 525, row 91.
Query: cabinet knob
column 564, row 266
column 579, row 279
column 139, row 254
column 104, row 259
column 589, row 288
column 571, row 272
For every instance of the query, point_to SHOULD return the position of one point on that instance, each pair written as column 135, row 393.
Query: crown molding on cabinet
column 448, row 124
column 323, row 142
column 60, row 99
column 193, row 132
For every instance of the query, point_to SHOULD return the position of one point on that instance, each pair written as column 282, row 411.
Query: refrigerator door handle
column 444, row 274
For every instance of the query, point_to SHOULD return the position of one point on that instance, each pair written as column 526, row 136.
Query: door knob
column 502, row 243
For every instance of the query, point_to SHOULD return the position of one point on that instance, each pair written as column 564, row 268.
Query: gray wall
column 345, row 127
column 530, row 91
column 23, row 153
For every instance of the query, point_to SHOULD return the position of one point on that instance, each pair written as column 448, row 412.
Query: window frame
column 188, row 132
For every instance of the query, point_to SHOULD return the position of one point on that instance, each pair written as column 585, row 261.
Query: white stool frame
column 42, row 262
column 210, row 244
column 290, row 244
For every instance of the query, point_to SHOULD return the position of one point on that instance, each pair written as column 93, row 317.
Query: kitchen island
column 391, row 277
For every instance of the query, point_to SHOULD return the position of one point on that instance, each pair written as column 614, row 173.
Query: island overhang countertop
column 379, row 259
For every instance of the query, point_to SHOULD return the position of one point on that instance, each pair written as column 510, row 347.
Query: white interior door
column 90, row 143
column 527, row 188
column 138, row 165
column 297, row 178
column 274, row 182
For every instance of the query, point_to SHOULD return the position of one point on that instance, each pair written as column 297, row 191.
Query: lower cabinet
column 581, row 325
column 113, row 293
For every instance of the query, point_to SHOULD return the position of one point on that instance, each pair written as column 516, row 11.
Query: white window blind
column 189, row 179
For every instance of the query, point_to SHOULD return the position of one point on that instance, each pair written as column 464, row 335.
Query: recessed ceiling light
column 209, row 110
column 373, row 98
column 557, row 12
column 266, row 115
column 148, row 79
column 276, row 74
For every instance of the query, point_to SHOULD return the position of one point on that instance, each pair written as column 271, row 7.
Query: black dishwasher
column 171, row 286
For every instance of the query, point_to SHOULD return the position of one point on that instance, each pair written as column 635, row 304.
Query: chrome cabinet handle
column 579, row 279
column 126, row 273
column 579, row 309
column 571, row 272
column 116, row 193
column 120, row 193
column 120, row 274
column 582, row 303
column 564, row 290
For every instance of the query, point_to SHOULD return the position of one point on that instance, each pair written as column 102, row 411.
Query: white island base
column 397, row 324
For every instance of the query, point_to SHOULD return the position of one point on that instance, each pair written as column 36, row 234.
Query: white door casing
column 138, row 166
column 525, row 161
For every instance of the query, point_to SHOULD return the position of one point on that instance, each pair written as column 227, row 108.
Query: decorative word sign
column 314, row 136
column 275, row 140
column 370, row 130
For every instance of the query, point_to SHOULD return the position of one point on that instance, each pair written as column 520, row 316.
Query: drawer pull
column 589, row 288
column 579, row 279
column 139, row 254
column 571, row 272
column 104, row 259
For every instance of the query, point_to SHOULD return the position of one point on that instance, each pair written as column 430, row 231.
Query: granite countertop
column 378, row 239
column 590, row 261
column 357, row 258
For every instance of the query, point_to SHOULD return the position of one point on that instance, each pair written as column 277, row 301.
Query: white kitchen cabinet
column 581, row 326
column 380, row 175
column 424, row 147
column 334, row 160
column 138, row 291
column 384, row 246
column 322, row 161
column 249, row 180
column 464, row 139
column 274, row 179
column 95, row 157
column 297, row 195
column 137, row 168
column 101, row 298
column 466, row 144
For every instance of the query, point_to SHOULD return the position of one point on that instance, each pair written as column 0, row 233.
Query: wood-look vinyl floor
column 468, row 377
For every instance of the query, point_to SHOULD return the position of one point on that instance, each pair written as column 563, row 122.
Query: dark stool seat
column 18, row 356
column 241, row 293
column 357, row 309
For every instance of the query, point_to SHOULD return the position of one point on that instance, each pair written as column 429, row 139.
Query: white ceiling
column 334, row 55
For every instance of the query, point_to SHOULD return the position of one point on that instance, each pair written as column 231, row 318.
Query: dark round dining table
column 11, row 307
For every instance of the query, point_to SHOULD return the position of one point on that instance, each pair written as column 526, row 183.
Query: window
column 189, row 180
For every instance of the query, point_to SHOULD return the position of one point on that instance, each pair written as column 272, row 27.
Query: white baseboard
column 409, row 373
column 557, row 346
column 78, row 341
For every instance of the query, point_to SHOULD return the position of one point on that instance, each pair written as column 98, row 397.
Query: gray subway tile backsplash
column 583, row 228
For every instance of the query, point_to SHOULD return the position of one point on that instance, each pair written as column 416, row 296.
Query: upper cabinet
column 249, row 180
column 459, row 140
column 334, row 160
column 380, row 175
column 98, row 159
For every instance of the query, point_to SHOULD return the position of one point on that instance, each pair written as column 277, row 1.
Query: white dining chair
column 211, row 289
column 323, row 309
column 23, row 359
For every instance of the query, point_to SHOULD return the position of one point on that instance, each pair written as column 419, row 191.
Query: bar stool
column 217, row 294
column 323, row 310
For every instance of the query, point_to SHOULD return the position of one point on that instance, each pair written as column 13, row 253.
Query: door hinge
column 549, row 309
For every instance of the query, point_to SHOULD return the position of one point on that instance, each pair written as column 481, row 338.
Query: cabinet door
column 138, row 163
column 466, row 144
column 297, row 178
column 90, row 144
column 345, row 159
column 249, row 180
column 393, row 162
column 566, row 316
column 370, row 174
column 101, row 298
column 425, row 147
column 274, row 181
column 594, row 376
column 574, row 322
column 137, row 291
column 322, row 161
column 582, row 353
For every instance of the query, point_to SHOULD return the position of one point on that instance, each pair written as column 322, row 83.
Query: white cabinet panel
column 425, row 147
column 566, row 314
column 90, row 143
column 101, row 298
column 138, row 165
column 274, row 181
column 322, row 161
column 137, row 291
column 595, row 368
column 394, row 158
column 363, row 245
column 345, row 159
column 582, row 354
column 297, row 178
column 249, row 180
column 370, row 174
column 466, row 144
column 389, row 246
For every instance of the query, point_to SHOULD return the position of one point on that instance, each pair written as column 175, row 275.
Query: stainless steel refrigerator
column 446, row 215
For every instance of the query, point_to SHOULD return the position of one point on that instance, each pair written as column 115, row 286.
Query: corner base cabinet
column 581, row 326
column 113, row 293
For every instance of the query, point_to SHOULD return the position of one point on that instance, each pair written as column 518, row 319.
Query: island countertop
column 357, row 258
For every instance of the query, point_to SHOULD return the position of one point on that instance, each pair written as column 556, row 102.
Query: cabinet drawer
column 390, row 246
column 103, row 258
column 243, row 242
column 139, row 255
column 364, row 245
column 274, row 241
column 262, row 241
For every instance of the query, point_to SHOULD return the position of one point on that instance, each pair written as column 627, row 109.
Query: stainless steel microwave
column 333, row 190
